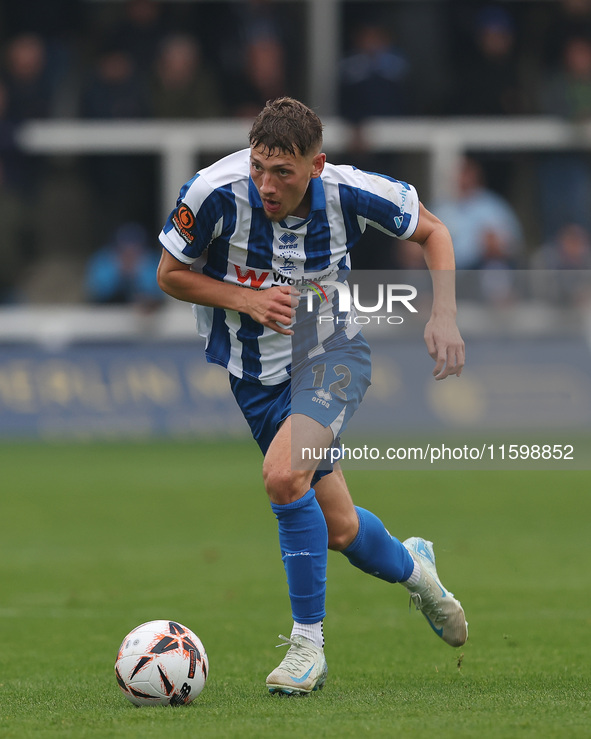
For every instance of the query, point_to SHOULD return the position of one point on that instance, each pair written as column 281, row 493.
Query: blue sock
column 378, row 553
column 303, row 538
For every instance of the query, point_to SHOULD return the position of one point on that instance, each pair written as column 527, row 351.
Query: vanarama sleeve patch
column 184, row 223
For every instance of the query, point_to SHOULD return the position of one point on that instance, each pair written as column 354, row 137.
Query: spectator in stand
column 182, row 86
column 373, row 78
column 26, row 78
column 488, row 80
column 15, row 238
column 140, row 33
column 568, row 91
column 124, row 271
column 10, row 155
column 567, row 94
column 373, row 81
column 484, row 227
column 61, row 26
column 260, row 54
column 119, row 183
column 565, row 264
column 27, row 96
column 114, row 89
column 568, row 18
column 260, row 18
column 264, row 76
column 571, row 250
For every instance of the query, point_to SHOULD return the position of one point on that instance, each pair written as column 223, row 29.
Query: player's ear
column 318, row 164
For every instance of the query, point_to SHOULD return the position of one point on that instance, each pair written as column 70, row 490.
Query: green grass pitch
column 97, row 538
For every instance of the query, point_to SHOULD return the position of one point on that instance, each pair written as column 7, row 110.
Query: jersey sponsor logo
column 250, row 275
column 184, row 220
column 304, row 282
column 279, row 279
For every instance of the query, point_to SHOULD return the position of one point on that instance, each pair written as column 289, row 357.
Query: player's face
column 282, row 181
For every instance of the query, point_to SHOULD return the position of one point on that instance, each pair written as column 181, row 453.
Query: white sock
column 415, row 575
column 313, row 632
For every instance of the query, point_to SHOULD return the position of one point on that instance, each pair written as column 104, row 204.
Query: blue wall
column 150, row 389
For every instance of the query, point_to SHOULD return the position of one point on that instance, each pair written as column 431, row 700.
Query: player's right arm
column 274, row 307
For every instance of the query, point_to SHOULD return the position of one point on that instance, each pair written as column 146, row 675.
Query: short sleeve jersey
column 219, row 227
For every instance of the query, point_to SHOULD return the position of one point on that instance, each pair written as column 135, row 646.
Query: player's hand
column 445, row 346
column 274, row 307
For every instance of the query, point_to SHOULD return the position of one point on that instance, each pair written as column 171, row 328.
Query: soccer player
column 274, row 209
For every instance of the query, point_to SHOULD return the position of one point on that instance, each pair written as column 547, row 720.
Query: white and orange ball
column 161, row 663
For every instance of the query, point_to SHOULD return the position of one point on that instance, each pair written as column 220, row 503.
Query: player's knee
column 284, row 485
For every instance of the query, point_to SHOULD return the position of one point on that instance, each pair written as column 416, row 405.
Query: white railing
column 179, row 144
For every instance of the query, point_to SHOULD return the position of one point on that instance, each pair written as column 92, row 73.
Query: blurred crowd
column 143, row 59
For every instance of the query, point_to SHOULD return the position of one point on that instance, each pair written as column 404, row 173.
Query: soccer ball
column 161, row 663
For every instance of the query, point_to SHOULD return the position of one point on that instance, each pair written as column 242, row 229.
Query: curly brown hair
column 288, row 126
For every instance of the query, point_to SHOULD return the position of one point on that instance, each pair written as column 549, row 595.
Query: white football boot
column 443, row 612
column 301, row 671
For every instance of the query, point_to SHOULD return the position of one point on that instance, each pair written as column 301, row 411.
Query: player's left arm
column 442, row 336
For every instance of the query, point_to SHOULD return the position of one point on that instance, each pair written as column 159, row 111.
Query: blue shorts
column 327, row 388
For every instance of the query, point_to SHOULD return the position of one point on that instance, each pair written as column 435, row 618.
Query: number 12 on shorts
column 337, row 387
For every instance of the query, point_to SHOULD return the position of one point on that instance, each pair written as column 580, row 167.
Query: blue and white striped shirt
column 220, row 228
